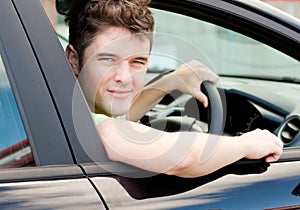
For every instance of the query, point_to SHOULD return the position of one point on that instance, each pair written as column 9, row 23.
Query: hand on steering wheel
column 216, row 115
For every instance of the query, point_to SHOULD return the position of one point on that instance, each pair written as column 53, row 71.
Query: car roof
column 273, row 11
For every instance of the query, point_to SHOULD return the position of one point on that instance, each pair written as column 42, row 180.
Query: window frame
column 61, row 85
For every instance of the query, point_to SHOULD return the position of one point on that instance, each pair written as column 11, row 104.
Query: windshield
column 225, row 51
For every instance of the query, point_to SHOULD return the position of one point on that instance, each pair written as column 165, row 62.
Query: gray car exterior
column 71, row 169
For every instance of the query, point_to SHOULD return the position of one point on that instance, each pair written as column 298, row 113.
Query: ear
column 72, row 56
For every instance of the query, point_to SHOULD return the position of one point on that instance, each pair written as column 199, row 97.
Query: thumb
column 201, row 97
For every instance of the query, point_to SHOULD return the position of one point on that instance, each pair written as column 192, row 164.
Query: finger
column 201, row 97
column 203, row 71
column 272, row 158
column 212, row 77
column 275, row 155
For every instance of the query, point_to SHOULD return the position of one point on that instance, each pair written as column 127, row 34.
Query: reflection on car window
column 14, row 146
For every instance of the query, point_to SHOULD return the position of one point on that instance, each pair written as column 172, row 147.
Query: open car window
column 229, row 54
column 257, row 79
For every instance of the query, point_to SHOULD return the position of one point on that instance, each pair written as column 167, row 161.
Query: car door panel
column 48, row 187
column 270, row 189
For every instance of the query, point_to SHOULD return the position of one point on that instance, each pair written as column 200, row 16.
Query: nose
column 122, row 72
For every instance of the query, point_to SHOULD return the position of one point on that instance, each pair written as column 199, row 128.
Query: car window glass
column 14, row 145
column 229, row 53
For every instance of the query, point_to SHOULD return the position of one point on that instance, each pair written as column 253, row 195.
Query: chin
column 119, row 108
column 118, row 111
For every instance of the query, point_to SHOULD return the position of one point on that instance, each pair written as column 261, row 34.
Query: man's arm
column 184, row 154
column 187, row 78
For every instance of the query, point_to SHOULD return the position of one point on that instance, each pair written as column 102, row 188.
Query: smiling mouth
column 120, row 93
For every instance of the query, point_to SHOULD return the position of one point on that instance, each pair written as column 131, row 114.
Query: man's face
column 114, row 67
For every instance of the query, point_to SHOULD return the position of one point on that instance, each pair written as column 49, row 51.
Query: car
column 50, row 153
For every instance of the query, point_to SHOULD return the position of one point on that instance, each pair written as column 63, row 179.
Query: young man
column 110, row 44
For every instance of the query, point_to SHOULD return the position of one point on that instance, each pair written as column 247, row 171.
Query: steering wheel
column 216, row 114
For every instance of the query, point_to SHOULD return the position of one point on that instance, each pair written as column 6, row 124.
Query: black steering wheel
column 190, row 122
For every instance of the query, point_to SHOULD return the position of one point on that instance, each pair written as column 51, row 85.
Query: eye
column 139, row 62
column 106, row 60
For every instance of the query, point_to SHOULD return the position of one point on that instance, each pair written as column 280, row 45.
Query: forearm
column 184, row 154
column 149, row 97
column 208, row 154
column 211, row 153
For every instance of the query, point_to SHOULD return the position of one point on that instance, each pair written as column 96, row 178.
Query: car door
column 38, row 169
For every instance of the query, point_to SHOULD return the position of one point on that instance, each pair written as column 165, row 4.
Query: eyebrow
column 141, row 58
column 114, row 55
column 105, row 54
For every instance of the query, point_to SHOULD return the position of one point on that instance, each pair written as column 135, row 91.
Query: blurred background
column 290, row 6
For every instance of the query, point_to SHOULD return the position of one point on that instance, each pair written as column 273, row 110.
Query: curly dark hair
column 86, row 18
